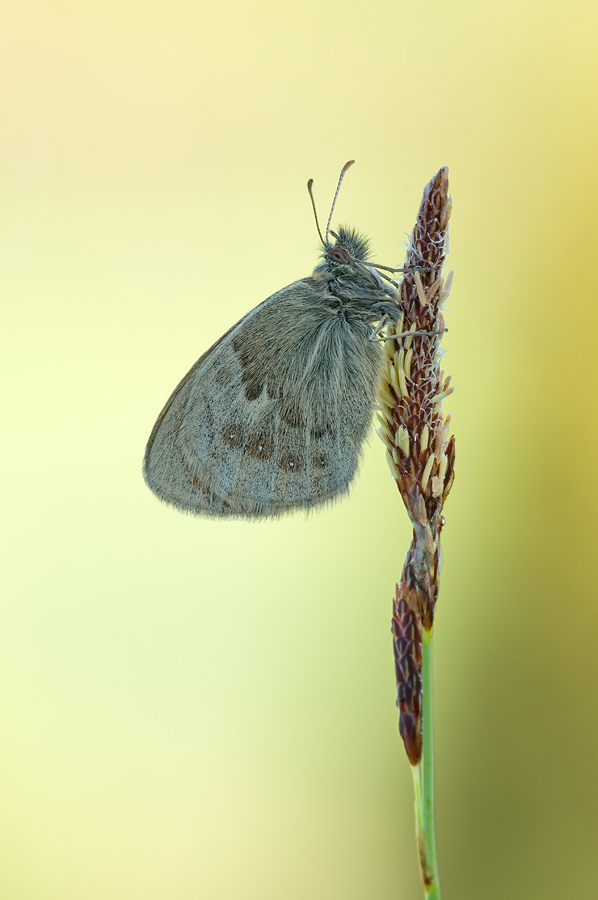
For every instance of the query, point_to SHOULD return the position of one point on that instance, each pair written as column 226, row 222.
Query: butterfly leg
column 405, row 334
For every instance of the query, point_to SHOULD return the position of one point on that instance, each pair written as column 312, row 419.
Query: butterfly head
column 347, row 273
column 345, row 265
column 350, row 247
column 347, row 257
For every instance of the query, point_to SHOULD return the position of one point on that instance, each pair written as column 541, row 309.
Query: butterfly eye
column 337, row 254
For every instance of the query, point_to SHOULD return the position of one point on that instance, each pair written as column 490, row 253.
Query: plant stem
column 427, row 839
column 416, row 771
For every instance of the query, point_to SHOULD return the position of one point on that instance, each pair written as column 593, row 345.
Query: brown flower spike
column 420, row 452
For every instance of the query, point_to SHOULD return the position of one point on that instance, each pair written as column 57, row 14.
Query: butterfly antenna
column 338, row 187
column 310, row 185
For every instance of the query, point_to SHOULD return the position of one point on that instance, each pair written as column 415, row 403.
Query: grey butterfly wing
column 272, row 417
column 168, row 468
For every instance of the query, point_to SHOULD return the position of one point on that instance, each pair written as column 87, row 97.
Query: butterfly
column 273, row 417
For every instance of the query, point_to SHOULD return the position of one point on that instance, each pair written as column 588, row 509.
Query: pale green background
column 193, row 709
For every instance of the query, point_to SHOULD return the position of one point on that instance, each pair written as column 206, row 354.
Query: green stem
column 426, row 838
column 417, row 789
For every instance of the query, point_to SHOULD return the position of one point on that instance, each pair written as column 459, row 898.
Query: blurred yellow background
column 196, row 709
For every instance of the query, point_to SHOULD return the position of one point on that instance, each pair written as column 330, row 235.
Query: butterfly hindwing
column 271, row 417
